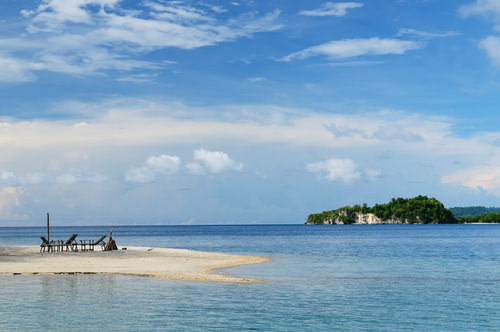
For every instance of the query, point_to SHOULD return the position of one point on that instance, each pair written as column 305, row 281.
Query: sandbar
column 181, row 264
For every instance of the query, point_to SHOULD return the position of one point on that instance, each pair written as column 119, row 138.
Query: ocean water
column 321, row 278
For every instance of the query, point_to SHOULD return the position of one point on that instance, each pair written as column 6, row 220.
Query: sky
column 243, row 112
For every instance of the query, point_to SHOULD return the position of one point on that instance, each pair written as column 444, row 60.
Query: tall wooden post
column 48, row 228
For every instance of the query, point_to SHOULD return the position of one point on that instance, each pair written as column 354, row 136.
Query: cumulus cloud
column 141, row 175
column 347, row 48
column 333, row 169
column 214, row 161
column 332, row 9
column 162, row 164
column 476, row 178
column 204, row 161
column 344, row 170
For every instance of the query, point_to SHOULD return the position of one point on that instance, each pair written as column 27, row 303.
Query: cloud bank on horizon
column 164, row 112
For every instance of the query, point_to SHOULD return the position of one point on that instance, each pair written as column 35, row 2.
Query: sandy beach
column 178, row 264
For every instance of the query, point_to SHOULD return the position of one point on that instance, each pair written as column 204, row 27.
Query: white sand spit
column 178, row 264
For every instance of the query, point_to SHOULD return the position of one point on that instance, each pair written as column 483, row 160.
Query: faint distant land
column 477, row 214
column 417, row 210
column 473, row 211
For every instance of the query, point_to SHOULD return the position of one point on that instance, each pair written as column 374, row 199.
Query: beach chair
column 45, row 244
column 71, row 243
column 101, row 242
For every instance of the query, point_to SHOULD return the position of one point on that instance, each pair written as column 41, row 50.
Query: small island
column 417, row 210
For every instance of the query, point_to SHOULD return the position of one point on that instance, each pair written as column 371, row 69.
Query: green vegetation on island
column 486, row 218
column 417, row 210
column 473, row 211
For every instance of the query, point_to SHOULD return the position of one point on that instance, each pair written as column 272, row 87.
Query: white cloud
column 481, row 7
column 372, row 174
column 108, row 130
column 425, row 34
column 256, row 79
column 477, row 178
column 488, row 8
column 203, row 161
column 162, row 164
column 53, row 13
column 215, row 161
column 75, row 176
column 141, row 175
column 333, row 169
column 10, row 201
column 347, row 48
column 86, row 37
column 150, row 34
column 14, row 70
column 138, row 78
column 70, row 177
column 8, row 177
column 195, row 168
column 33, row 178
column 108, row 136
column 142, row 123
column 391, row 133
column 332, row 9
column 491, row 45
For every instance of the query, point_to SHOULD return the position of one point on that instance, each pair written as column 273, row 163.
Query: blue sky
column 217, row 112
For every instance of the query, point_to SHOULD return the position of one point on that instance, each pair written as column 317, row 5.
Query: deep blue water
column 323, row 278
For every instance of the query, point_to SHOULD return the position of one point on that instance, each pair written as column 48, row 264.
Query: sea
column 320, row 278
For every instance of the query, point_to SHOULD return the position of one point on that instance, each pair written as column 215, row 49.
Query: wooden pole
column 48, row 228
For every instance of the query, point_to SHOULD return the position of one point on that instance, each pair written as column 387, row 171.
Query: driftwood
column 111, row 244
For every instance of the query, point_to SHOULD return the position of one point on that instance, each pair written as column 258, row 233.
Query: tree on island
column 486, row 218
column 473, row 211
column 417, row 210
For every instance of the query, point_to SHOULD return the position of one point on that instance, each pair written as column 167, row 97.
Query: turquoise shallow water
column 324, row 278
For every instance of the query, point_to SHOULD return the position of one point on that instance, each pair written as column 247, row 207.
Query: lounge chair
column 101, row 242
column 45, row 244
column 71, row 243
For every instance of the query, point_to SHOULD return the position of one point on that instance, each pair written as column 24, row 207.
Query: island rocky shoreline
column 363, row 219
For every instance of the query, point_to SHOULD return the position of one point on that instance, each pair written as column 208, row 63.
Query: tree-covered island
column 417, row 210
